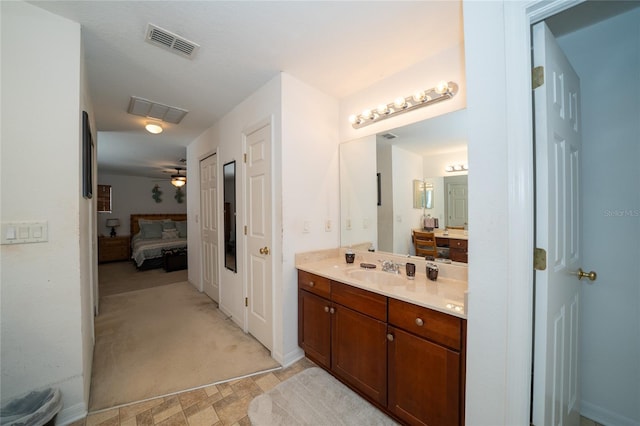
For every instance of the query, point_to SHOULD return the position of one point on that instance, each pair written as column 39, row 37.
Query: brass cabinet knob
column 390, row 337
column 326, row 309
column 591, row 275
column 332, row 310
column 419, row 322
column 311, row 283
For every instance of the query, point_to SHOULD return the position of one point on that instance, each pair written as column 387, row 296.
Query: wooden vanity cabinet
column 345, row 333
column 458, row 250
column 359, row 340
column 426, row 365
column 407, row 359
column 314, row 327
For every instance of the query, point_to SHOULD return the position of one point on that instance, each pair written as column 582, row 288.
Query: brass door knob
column 264, row 250
column 591, row 275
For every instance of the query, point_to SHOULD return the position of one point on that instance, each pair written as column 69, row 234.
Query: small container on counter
column 411, row 270
column 350, row 256
column 432, row 271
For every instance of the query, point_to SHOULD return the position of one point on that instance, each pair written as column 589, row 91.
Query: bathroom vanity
column 400, row 343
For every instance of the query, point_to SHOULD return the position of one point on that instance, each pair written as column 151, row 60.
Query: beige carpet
column 166, row 339
column 314, row 397
column 120, row 277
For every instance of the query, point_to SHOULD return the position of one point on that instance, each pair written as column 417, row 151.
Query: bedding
column 153, row 233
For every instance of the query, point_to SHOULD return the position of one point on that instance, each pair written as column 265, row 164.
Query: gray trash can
column 34, row 408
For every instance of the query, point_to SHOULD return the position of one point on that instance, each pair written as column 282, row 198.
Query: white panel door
column 556, row 398
column 457, row 207
column 209, row 225
column 259, row 236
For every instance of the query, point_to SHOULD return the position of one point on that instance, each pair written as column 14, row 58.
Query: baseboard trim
column 72, row 414
column 292, row 357
column 604, row 416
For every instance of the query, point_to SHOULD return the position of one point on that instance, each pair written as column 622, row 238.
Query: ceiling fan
column 178, row 180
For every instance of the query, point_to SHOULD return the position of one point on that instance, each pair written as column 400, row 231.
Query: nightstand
column 113, row 248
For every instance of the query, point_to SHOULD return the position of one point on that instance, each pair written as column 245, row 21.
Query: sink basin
column 377, row 277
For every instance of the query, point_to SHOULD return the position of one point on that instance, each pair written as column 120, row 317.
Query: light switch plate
column 24, row 232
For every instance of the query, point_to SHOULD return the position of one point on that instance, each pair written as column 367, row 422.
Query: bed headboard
column 135, row 227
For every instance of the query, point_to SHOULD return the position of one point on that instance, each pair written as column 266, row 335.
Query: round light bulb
column 353, row 119
column 367, row 114
column 457, row 167
column 449, row 168
column 382, row 109
column 419, row 96
column 400, row 102
column 442, row 87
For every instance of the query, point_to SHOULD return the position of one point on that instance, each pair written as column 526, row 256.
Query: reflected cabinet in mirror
column 391, row 182
column 229, row 173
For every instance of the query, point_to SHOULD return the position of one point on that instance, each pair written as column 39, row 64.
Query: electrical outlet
column 327, row 225
column 348, row 225
column 306, row 227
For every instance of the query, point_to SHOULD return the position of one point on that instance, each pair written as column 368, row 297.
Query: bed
column 154, row 235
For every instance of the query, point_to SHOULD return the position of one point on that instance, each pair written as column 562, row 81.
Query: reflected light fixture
column 457, row 168
column 153, row 128
column 178, row 180
column 442, row 92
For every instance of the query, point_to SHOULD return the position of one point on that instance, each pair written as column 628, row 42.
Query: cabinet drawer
column 462, row 244
column 363, row 301
column 314, row 283
column 433, row 325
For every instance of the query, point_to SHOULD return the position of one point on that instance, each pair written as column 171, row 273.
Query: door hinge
column 245, row 230
column 539, row 259
column 537, row 77
column 245, row 157
column 246, row 301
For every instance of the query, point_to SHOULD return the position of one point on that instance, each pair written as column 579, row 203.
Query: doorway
column 600, row 48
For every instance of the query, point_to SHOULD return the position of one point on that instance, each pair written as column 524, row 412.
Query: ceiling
column 338, row 47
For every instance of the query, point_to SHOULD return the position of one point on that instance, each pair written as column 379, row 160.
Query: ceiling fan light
column 179, row 182
column 153, row 128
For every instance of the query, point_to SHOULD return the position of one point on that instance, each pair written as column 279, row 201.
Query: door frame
column 518, row 18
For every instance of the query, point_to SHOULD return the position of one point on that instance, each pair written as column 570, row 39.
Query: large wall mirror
column 411, row 160
column 229, row 172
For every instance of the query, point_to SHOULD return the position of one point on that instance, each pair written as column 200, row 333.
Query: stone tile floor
column 216, row 405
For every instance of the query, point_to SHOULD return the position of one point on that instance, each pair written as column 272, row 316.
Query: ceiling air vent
column 170, row 41
column 389, row 135
column 150, row 109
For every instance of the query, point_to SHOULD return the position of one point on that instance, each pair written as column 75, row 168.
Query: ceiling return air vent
column 389, row 135
column 170, row 41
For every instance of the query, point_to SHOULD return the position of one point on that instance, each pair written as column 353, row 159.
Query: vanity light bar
column 457, row 168
column 442, row 92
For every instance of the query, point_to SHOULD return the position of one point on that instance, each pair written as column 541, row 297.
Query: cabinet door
column 424, row 380
column 314, row 327
column 359, row 352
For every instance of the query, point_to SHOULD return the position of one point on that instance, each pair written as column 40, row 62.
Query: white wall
column 610, row 339
column 310, row 191
column 435, row 164
column 46, row 287
column 226, row 139
column 384, row 164
column 358, row 192
column 407, row 167
column 132, row 195
column 487, row 337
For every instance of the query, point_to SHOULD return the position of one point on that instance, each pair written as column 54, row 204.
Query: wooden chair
column 425, row 244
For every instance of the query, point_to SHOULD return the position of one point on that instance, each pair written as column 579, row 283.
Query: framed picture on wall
column 87, row 157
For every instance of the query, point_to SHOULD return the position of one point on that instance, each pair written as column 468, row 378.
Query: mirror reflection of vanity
column 389, row 182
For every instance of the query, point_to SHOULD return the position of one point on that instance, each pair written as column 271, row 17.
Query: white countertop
column 447, row 294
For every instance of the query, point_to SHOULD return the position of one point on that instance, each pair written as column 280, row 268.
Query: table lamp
column 113, row 223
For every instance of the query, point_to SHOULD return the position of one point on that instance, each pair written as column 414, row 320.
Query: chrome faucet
column 390, row 266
